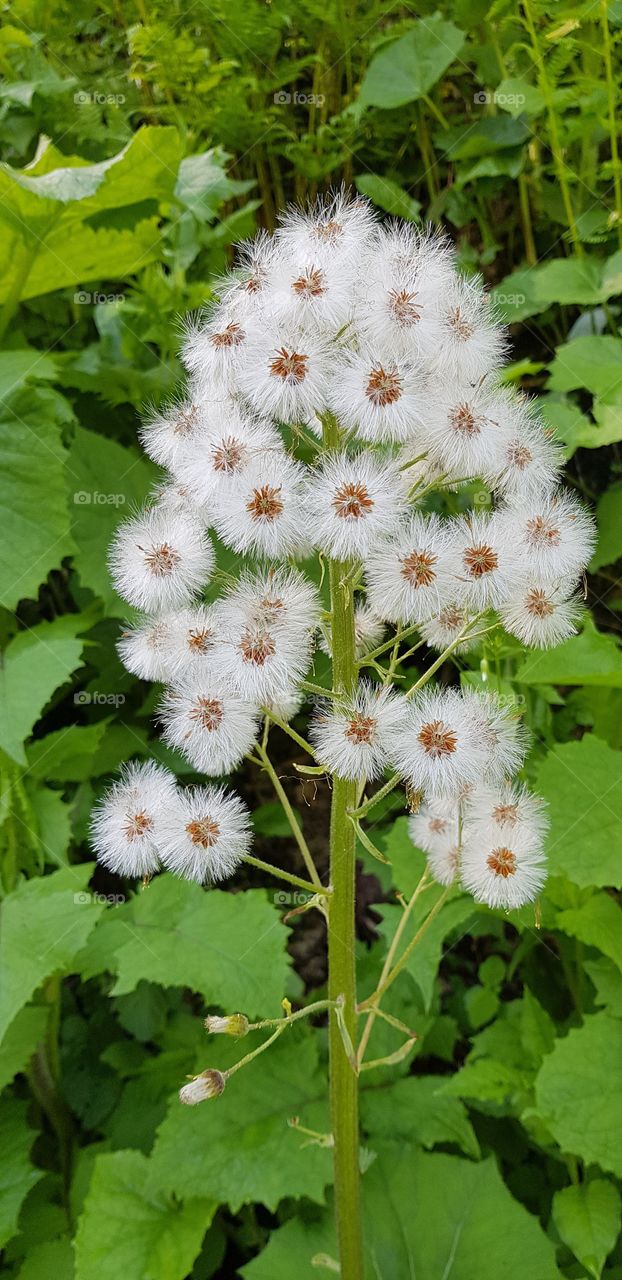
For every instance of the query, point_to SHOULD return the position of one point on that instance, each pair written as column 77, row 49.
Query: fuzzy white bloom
column 484, row 561
column 410, row 576
column 540, row 611
column 222, row 456
column 528, row 459
column 508, row 808
column 377, row 397
column 441, row 748
column 330, row 231
column 262, row 513
column 171, row 646
column 172, row 498
column 435, row 829
column 443, row 629
column 469, row 429
column 215, row 348
column 307, row 293
column 210, row 724
column 204, row 834
column 285, row 373
column 500, row 731
column 402, row 277
column 209, row 1084
column 168, row 434
column 260, row 661
column 351, row 502
column 551, row 535
column 160, row 559
column 354, row 737
column 503, row 869
column 125, row 825
column 245, row 291
column 277, row 598
column 471, row 341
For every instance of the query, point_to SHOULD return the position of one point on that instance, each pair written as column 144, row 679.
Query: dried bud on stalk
column 234, row 1024
column 210, row 1084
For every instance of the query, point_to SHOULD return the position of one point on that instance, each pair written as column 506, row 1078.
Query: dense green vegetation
column 139, row 143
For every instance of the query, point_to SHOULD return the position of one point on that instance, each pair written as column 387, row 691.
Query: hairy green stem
column 341, row 941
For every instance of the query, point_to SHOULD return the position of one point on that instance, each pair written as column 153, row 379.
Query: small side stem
column 296, row 831
column 284, row 875
column 390, row 956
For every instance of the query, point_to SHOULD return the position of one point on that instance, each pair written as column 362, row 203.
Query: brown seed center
column 437, row 739
column 480, row 560
column 451, row 618
column 265, row 503
column 257, row 647
column 291, row 366
column 507, row 813
column 437, row 826
column 417, row 568
column 232, row 336
column 465, row 421
column 310, row 284
column 403, row 306
column 329, row 232
column 208, row 713
column 538, row 604
column 199, row 641
column 542, row 532
column 137, row 824
column 519, row 455
column 352, row 501
column 228, row 455
column 502, row 862
column 460, row 326
column 203, row 831
column 361, row 729
column 384, row 386
column 162, row 560
column 186, row 421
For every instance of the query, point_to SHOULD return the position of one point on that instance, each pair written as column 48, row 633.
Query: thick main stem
column 341, row 955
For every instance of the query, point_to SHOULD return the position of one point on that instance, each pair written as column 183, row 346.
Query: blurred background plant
column 139, row 144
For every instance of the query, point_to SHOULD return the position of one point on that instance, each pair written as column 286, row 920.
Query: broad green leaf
column 486, row 1080
column 56, row 230
column 582, row 782
column 388, row 195
column 239, row 1148
column 594, row 362
column 131, row 1227
column 609, row 516
column 574, row 1094
column 17, row 1174
column 21, row 364
column 578, row 431
column 490, row 135
column 52, row 1258
column 408, row 68
column 598, row 923
column 35, row 535
column 590, row 658
column 20, row 1041
column 107, row 481
column 516, row 96
column 407, row 862
column 45, row 923
column 53, row 818
column 228, row 947
column 607, row 979
column 587, row 1218
column 67, row 755
column 419, row 1112
column 36, row 662
column 203, row 184
column 515, row 298
column 269, row 819
column 436, row 1217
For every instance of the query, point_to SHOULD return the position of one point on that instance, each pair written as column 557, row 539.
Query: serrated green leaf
column 574, row 1096
column 239, row 1147
column 131, row 1227
column 607, row 979
column 419, row 1112
column 588, row 1218
column 229, row 947
column 35, row 535
column 609, row 517
column 17, row 1174
column 597, row 923
column 590, row 658
column 388, row 195
column 406, row 69
column 594, row 362
column 582, row 782
column 52, row 1258
column 20, row 1041
column 45, row 923
column 36, row 662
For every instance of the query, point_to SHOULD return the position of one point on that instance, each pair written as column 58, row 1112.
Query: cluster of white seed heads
column 339, row 328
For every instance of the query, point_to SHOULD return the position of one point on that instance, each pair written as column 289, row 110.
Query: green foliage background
column 139, row 142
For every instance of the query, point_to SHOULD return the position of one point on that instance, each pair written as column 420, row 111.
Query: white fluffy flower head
column 204, row 834
column 351, row 502
column 125, row 827
column 160, row 559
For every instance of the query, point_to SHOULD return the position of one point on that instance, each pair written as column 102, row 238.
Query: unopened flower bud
column 234, row 1024
column 210, row 1084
